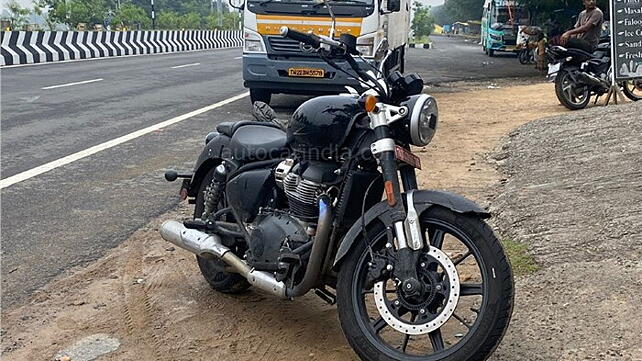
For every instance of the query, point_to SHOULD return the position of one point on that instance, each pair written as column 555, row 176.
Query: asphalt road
column 76, row 212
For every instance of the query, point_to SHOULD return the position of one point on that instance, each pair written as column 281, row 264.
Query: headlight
column 252, row 42
column 365, row 45
column 423, row 119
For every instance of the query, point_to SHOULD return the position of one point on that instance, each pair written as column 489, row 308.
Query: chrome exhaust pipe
column 209, row 246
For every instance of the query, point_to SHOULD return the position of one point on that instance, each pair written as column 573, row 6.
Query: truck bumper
column 262, row 72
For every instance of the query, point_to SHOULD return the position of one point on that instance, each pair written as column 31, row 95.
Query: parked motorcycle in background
column 580, row 75
column 417, row 276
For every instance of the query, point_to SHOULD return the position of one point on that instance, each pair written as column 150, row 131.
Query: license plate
column 553, row 68
column 407, row 157
column 510, row 48
column 306, row 72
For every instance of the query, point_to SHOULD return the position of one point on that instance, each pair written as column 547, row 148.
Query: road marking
column 70, row 84
column 186, row 65
column 111, row 143
column 238, row 57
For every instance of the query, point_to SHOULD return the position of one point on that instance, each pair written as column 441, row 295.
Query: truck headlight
column 252, row 42
column 365, row 45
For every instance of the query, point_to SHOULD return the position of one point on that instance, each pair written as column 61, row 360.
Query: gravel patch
column 573, row 194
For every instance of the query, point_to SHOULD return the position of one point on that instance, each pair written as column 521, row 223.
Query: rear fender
column 423, row 199
column 211, row 155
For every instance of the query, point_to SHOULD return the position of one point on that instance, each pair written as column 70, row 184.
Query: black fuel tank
column 319, row 126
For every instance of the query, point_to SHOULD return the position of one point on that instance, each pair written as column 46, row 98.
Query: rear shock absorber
column 214, row 191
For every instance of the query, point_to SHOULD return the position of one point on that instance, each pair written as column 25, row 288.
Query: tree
column 422, row 22
column 168, row 20
column 463, row 10
column 17, row 14
column 39, row 9
column 190, row 21
column 129, row 15
column 73, row 12
column 441, row 16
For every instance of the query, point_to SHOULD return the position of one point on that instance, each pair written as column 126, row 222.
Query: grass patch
column 521, row 261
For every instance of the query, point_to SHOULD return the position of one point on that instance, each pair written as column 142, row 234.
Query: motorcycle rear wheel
column 213, row 270
column 632, row 89
column 468, row 335
column 568, row 93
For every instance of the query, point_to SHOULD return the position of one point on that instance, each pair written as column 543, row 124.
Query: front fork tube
column 405, row 219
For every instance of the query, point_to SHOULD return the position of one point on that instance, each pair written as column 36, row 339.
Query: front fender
column 423, row 199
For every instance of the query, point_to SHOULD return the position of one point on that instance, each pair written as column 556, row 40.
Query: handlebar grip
column 300, row 37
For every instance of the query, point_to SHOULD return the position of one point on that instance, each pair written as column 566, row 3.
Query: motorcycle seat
column 258, row 142
column 229, row 128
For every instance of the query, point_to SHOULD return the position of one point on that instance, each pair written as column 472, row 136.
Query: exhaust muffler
column 209, row 245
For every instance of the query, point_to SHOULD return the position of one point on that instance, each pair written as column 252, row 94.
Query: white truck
column 273, row 64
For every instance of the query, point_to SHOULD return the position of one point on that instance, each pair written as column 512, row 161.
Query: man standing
column 586, row 34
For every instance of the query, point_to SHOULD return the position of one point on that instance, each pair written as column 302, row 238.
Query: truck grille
column 280, row 44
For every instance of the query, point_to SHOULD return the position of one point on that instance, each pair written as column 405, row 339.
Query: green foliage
column 463, row 10
column 17, row 14
column 422, row 22
column 441, row 16
column 39, row 7
column 130, row 15
column 190, row 21
column 170, row 14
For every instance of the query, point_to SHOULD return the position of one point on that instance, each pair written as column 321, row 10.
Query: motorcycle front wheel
column 465, row 307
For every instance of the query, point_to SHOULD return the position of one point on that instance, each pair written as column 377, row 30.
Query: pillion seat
column 256, row 141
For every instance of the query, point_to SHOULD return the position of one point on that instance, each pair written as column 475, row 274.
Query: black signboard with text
column 626, row 27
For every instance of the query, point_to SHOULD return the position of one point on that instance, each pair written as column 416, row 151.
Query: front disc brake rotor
column 422, row 326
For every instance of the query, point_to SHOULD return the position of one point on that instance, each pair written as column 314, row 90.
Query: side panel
column 398, row 25
column 423, row 199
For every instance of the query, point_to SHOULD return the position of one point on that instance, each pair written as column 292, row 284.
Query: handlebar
column 309, row 39
column 314, row 41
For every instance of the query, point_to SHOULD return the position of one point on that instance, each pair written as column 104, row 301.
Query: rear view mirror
column 393, row 5
column 237, row 4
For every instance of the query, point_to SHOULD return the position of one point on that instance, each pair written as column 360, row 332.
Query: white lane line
column 238, row 57
column 111, row 143
column 186, row 65
column 70, row 84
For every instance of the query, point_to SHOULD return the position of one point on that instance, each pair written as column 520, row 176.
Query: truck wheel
column 491, row 52
column 260, row 95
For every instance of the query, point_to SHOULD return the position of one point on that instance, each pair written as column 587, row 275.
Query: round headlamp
column 423, row 120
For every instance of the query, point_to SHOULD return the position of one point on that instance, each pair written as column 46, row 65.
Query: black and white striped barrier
column 425, row 46
column 28, row 47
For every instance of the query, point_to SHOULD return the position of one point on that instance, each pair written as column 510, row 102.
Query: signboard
column 626, row 20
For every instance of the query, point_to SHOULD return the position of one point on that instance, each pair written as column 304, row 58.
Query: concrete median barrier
column 30, row 47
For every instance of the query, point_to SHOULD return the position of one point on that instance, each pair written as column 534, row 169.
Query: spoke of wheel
column 476, row 310
column 463, row 322
column 436, row 341
column 437, row 238
column 368, row 292
column 379, row 324
column 407, row 336
column 470, row 289
column 460, row 259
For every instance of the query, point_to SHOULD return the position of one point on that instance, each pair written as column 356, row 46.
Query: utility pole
column 219, row 15
column 153, row 16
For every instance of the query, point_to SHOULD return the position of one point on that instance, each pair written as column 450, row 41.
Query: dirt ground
column 152, row 298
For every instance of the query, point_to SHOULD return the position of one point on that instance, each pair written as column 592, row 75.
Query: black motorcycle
column 417, row 276
column 580, row 75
